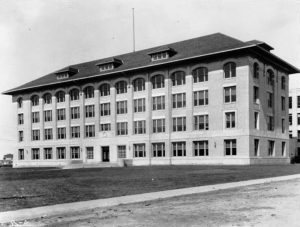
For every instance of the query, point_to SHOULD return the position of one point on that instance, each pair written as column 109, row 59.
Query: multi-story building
column 208, row 100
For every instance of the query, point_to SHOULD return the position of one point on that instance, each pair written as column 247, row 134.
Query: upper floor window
column 230, row 119
column 75, row 112
column 20, row 119
column 47, row 98
column 35, row 134
column 35, row 100
column 270, row 123
column 140, row 127
column 201, row 98
column 89, row 111
column 122, row 128
column 229, row 94
column 104, row 90
column 61, row 76
column 139, row 105
column 47, row 115
column 270, row 77
column 255, row 70
column 61, row 114
column 159, row 56
column 121, row 87
column 270, row 99
column 139, row 84
column 179, row 100
column 89, row 92
column 229, row 70
column 106, row 67
column 90, row 131
column 290, row 102
column 179, row 124
column 60, row 96
column 35, row 117
column 178, row 78
column 283, row 83
column 158, row 103
column 105, row 109
column 74, row 94
column 158, row 81
column 159, row 125
column 20, row 102
column 201, row 122
column 200, row 74
column 122, row 107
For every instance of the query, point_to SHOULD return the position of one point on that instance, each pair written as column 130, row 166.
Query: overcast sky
column 38, row 37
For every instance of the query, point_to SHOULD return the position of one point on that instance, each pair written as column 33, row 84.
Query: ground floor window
column 139, row 150
column 35, row 153
column 158, row 150
column 179, row 149
column 230, row 147
column 201, row 148
column 90, row 152
column 48, row 153
column 21, row 154
column 122, row 151
column 256, row 147
column 271, row 147
column 61, row 152
column 75, row 152
column 283, row 149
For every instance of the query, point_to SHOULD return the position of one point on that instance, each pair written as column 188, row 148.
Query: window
column 61, row 153
column 47, row 115
column 48, row 135
column 256, row 147
column 158, row 125
column 271, row 146
column 61, row 114
column 89, row 111
column 270, row 77
column 48, row 153
column 291, row 134
column 283, row 103
column 283, row 148
column 283, row 125
column 230, row 147
column 122, row 128
column 179, row 149
column 20, row 119
column 20, row 102
column 298, row 135
column 270, row 99
column 298, row 101
column 104, row 90
column 158, row 81
column 60, row 96
column 139, row 105
column 270, row 123
column 179, row 100
column 122, row 107
column 298, row 118
column 61, row 133
column 158, row 150
column 179, row 124
column 35, row 117
column 201, row 122
column 256, row 120
column 106, row 67
column 75, row 112
column 75, row 132
column 139, row 127
column 105, row 127
column 35, row 153
column 21, row 154
column 88, row 92
column 74, row 94
column 200, row 74
column 178, row 78
column 121, row 87
column 105, row 109
column 283, row 83
column 47, row 98
column 158, row 103
column 61, row 76
column 201, row 148
column 230, row 120
column 256, row 95
column 35, row 134
column 159, row 56
column 122, row 151
column 75, row 153
column 35, row 100
column 229, row 94
column 201, row 98
column 89, row 131
column 290, row 119
column 229, row 70
column 255, row 70
column 139, row 84
column 90, row 152
column 21, row 136
column 290, row 102
column 139, row 150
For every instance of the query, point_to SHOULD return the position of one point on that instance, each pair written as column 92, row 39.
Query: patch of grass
column 24, row 188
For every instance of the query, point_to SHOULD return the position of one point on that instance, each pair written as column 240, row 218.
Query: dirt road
column 274, row 204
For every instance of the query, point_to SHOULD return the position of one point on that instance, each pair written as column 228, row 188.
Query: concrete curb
column 59, row 209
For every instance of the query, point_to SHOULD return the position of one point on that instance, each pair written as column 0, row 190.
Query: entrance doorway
column 105, row 154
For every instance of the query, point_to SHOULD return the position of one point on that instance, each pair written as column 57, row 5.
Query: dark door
column 105, row 154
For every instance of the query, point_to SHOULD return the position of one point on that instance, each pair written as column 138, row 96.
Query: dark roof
column 192, row 48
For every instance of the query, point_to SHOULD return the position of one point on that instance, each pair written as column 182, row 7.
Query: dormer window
column 106, row 67
column 159, row 56
column 162, row 53
column 62, row 76
column 65, row 73
column 109, row 64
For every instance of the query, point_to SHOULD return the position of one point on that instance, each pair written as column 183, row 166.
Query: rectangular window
column 139, row 150
column 61, row 152
column 21, row 154
column 283, row 149
column 230, row 120
column 35, row 153
column 179, row 149
column 21, row 136
column 179, row 100
column 61, row 133
column 256, row 120
column 290, row 119
column 139, row 127
column 20, row 119
column 271, row 146
column 255, row 94
column 298, row 101
column 122, row 107
column 290, row 102
column 75, row 153
column 298, row 118
column 90, row 152
column 89, row 131
column 270, row 123
column 201, row 122
column 201, row 148
column 105, row 109
column 158, row 103
column 283, row 125
column 256, row 147
column 75, row 132
column 283, row 103
column 35, row 117
column 61, row 114
column 122, row 128
column 47, row 115
column 159, row 125
column 201, row 98
column 291, row 134
column 122, row 151
column 139, row 105
column 48, row 135
column 229, row 94
column 48, row 153
column 35, row 134
column 298, row 135
column 158, row 150
column 179, row 124
column 75, row 112
column 105, row 127
column 89, row 111
column 270, row 99
column 230, row 147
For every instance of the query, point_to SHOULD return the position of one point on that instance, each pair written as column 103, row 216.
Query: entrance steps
column 91, row 165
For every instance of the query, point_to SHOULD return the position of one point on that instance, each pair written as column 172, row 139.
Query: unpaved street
column 274, row 204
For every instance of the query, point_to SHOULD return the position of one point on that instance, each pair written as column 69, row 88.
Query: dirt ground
column 273, row 204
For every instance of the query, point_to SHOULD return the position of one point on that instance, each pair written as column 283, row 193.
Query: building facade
column 294, row 118
column 209, row 100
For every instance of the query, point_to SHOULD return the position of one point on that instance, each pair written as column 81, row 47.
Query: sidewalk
column 46, row 211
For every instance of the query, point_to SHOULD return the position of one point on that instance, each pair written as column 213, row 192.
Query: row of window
column 291, row 119
column 291, row 102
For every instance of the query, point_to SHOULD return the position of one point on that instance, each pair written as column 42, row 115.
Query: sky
column 38, row 37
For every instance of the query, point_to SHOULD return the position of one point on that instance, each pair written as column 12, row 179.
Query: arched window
column 270, row 77
column 229, row 70
column 121, row 87
column 178, row 78
column 20, row 102
column 89, row 92
column 158, row 81
column 47, row 98
column 283, row 83
column 60, row 96
column 200, row 74
column 104, row 90
column 74, row 94
column 139, row 84
column 35, row 100
column 255, row 70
